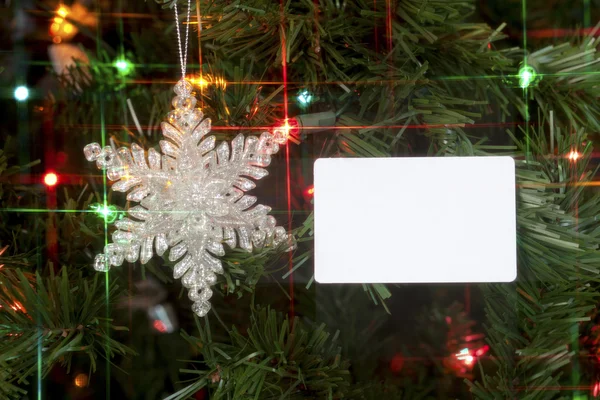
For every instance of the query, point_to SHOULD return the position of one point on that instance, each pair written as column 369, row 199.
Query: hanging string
column 183, row 52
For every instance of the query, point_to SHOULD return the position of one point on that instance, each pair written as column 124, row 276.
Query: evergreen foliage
column 435, row 82
column 274, row 358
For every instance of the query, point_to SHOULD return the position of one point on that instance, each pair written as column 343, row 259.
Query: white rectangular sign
column 415, row 220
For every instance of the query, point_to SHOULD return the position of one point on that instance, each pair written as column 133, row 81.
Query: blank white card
column 415, row 220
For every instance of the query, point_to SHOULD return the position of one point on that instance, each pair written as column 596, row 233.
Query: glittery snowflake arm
column 191, row 198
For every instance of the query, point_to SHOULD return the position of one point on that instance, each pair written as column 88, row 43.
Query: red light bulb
column 396, row 363
column 285, row 129
column 50, row 179
column 159, row 326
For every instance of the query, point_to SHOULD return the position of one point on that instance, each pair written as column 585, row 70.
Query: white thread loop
column 183, row 51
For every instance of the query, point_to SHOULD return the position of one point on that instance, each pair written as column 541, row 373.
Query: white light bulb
column 21, row 93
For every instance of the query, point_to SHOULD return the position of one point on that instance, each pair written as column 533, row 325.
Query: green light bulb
column 123, row 66
column 304, row 98
column 527, row 76
column 106, row 212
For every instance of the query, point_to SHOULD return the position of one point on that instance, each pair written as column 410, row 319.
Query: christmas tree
column 437, row 78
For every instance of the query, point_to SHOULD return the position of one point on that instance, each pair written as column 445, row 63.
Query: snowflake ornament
column 191, row 198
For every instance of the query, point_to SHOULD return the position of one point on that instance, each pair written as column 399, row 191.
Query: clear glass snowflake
column 191, row 198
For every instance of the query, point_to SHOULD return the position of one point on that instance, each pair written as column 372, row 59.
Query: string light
column 63, row 30
column 304, row 98
column 50, row 179
column 285, row 130
column 62, row 11
column 2, row 250
column 160, row 326
column 18, row 307
column 574, row 155
column 60, row 28
column 527, row 76
column 123, row 66
column 107, row 212
column 396, row 363
column 482, row 351
column 206, row 79
column 162, row 318
column 311, row 190
column 21, row 93
column 55, row 27
column 81, row 380
column 466, row 357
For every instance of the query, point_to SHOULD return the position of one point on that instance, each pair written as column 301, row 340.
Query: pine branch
column 400, row 85
column 234, row 104
column 569, row 84
column 14, row 261
column 275, row 358
column 530, row 322
column 49, row 320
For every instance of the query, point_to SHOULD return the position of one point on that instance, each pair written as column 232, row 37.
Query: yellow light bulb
column 574, row 155
column 81, row 380
column 62, row 11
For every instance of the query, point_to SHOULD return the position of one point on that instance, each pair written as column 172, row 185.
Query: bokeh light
column 107, row 212
column 285, row 128
column 21, row 93
column 205, row 80
column 62, row 11
column 304, row 98
column 123, row 66
column 50, row 179
column 574, row 155
column 159, row 326
column 81, row 380
column 527, row 76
